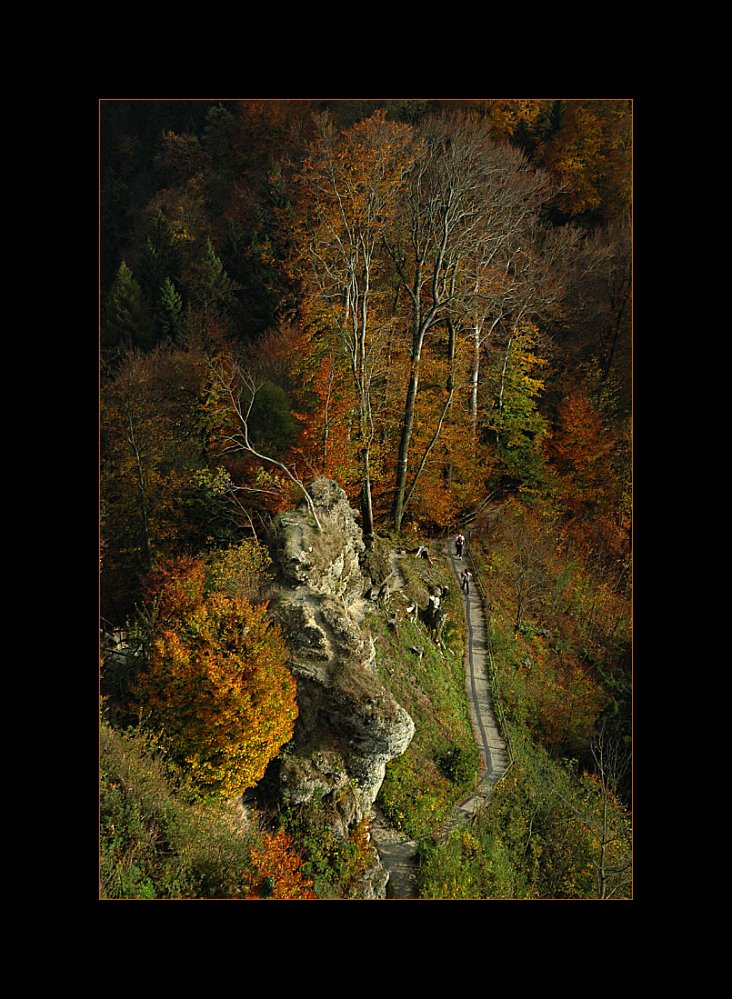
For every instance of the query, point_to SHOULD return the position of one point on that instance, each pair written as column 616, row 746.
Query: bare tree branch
column 241, row 389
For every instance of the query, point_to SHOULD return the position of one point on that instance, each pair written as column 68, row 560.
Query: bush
column 217, row 684
column 460, row 764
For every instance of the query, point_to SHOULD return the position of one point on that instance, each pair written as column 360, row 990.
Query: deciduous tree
column 349, row 191
column 582, row 448
column 469, row 202
column 161, row 482
column 217, row 686
column 239, row 389
column 590, row 155
column 519, row 427
column 528, row 540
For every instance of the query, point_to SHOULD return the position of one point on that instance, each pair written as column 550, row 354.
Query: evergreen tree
column 160, row 258
column 213, row 289
column 127, row 321
column 171, row 315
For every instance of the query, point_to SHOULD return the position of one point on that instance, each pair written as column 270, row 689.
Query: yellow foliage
column 217, row 686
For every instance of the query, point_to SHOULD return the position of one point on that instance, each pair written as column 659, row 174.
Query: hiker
column 459, row 542
column 465, row 581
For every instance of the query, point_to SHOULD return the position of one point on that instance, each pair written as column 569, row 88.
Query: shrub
column 217, row 686
column 460, row 764
column 278, row 871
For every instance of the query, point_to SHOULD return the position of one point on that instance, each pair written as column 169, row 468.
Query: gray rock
column 349, row 725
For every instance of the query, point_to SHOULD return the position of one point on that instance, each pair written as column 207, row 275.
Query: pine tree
column 170, row 310
column 127, row 321
column 214, row 291
column 159, row 258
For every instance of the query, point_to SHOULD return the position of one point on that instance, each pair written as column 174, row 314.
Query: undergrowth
column 427, row 678
column 155, row 841
column 551, row 828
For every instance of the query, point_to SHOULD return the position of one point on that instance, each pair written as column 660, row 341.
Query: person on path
column 459, row 542
column 465, row 581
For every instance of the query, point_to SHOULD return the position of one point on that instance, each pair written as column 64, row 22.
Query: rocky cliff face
column 350, row 726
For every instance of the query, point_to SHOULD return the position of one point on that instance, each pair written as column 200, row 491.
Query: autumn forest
column 428, row 302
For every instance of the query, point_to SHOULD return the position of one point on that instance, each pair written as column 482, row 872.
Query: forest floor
column 399, row 855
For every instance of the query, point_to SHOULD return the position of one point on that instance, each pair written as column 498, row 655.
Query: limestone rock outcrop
column 350, row 725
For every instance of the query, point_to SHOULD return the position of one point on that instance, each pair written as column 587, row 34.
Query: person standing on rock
column 459, row 542
column 465, row 581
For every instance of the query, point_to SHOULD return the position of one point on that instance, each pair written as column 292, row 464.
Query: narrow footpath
column 399, row 856
column 494, row 758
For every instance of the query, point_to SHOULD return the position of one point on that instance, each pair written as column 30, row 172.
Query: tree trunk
column 503, row 373
column 406, row 436
column 141, row 487
column 326, row 418
column 519, row 611
column 474, row 378
column 367, row 509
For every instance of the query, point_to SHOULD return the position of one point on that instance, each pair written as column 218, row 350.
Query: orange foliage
column 349, row 193
column 278, row 871
column 590, row 155
column 567, row 703
column 325, row 443
column 452, row 479
column 565, row 698
column 506, row 114
column 217, row 685
column 581, row 449
column 455, row 474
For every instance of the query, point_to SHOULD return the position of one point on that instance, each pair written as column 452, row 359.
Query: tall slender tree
column 469, row 201
column 349, row 192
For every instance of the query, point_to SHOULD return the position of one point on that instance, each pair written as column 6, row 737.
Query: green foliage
column 271, row 423
column 520, row 429
column 333, row 863
column 213, row 290
column 249, row 257
column 417, row 793
column 127, row 321
column 540, row 836
column 204, row 508
column 154, row 842
column 196, row 224
column 160, row 262
column 218, row 139
column 242, row 570
column 160, row 491
column 553, row 828
column 465, row 867
column 171, row 316
column 460, row 764
column 448, row 870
